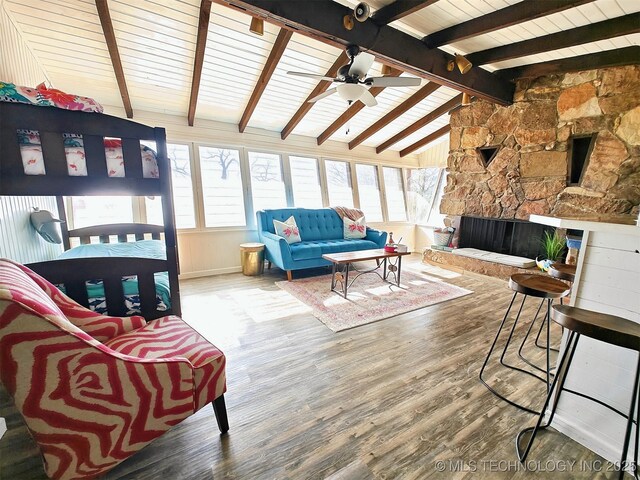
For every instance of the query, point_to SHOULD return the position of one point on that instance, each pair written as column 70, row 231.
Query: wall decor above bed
column 140, row 172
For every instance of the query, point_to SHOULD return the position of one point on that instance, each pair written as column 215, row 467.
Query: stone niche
column 529, row 173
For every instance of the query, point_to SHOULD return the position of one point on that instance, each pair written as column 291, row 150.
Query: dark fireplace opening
column 510, row 237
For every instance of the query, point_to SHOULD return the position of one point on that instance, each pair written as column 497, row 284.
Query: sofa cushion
column 313, row 224
column 315, row 249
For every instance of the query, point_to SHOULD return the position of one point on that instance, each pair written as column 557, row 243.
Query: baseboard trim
column 588, row 440
column 209, row 273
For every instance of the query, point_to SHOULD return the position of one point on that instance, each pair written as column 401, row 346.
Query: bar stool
column 606, row 328
column 529, row 285
column 561, row 271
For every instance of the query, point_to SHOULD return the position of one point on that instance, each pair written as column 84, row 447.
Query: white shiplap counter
column 607, row 281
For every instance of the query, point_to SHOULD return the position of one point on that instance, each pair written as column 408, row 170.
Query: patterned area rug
column 369, row 298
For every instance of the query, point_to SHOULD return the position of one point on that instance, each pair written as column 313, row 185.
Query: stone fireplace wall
column 528, row 175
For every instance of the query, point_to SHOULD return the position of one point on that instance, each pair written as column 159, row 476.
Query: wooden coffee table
column 391, row 263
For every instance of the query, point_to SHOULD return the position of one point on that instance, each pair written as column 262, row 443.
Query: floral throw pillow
column 355, row 228
column 287, row 230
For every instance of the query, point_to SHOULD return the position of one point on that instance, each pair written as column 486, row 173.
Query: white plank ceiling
column 156, row 40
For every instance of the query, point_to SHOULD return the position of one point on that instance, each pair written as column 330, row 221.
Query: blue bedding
column 139, row 249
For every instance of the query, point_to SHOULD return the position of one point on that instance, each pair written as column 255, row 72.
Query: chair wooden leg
column 289, row 276
column 220, row 409
column 268, row 265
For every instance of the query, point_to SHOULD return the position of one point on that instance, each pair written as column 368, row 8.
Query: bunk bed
column 55, row 173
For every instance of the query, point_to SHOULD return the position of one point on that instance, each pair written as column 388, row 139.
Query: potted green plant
column 553, row 246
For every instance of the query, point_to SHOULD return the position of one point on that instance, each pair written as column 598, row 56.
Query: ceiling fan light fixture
column 350, row 91
column 257, row 26
column 386, row 70
column 466, row 99
column 461, row 62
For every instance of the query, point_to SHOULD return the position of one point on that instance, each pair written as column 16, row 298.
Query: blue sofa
column 321, row 231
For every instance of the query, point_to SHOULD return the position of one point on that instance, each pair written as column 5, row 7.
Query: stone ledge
column 462, row 264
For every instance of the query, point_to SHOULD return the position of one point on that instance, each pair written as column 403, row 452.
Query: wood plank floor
column 386, row 400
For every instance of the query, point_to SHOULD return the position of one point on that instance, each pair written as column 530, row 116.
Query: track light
column 257, row 26
column 459, row 61
column 386, row 70
column 361, row 13
column 466, row 99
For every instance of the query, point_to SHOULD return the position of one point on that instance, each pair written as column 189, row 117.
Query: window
column 267, row 184
column 395, row 194
column 422, row 185
column 339, row 183
column 182, row 189
column 369, row 192
column 435, row 217
column 222, row 188
column 87, row 211
column 305, row 178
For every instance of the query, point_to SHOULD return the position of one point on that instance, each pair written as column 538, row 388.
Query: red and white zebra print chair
column 93, row 389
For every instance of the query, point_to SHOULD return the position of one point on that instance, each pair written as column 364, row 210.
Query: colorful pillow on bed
column 33, row 161
column 47, row 97
column 288, row 230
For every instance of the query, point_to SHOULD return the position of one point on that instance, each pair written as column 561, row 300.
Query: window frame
column 381, row 197
column 246, row 191
column 321, row 180
column 353, row 183
column 286, row 176
column 441, row 177
column 403, row 183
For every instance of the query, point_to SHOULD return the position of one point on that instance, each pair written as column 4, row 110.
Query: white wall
column 19, row 241
column 18, row 64
column 436, row 155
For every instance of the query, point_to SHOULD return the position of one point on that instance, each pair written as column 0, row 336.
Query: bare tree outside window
column 339, row 183
column 222, row 187
column 267, row 183
column 226, row 158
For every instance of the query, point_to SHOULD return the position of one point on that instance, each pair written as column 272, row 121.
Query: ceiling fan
column 353, row 82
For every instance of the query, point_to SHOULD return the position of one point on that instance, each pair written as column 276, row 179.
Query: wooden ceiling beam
column 321, row 87
column 425, row 141
column 198, row 60
column 609, row 58
column 505, row 17
column 418, row 124
column 615, row 27
column 354, row 108
column 322, row 20
column 410, row 102
column 277, row 50
column 399, row 9
column 112, row 46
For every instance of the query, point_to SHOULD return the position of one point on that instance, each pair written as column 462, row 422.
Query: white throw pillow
column 287, row 230
column 355, row 228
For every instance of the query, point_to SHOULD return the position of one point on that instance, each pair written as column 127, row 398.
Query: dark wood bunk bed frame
column 73, row 273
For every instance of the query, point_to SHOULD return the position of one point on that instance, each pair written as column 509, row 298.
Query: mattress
column 139, row 249
column 510, row 260
column 33, row 160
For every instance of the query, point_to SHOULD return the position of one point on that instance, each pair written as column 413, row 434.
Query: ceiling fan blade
column 311, row 75
column 393, row 81
column 368, row 99
column 331, row 91
column 361, row 64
